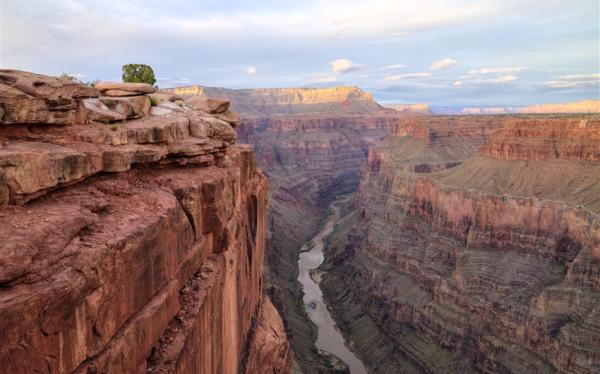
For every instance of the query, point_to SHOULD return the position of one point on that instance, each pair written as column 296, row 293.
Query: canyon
column 470, row 246
column 140, row 233
column 133, row 235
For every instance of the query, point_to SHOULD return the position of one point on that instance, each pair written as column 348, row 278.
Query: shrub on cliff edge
column 138, row 73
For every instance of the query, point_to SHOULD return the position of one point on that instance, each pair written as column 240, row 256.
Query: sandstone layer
column 489, row 265
column 134, row 247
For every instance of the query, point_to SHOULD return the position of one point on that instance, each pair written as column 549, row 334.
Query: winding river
column 329, row 338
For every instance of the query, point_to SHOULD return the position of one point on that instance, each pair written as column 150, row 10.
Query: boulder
column 141, row 88
column 96, row 110
column 39, row 99
column 170, row 105
column 214, row 127
column 159, row 97
column 129, row 106
column 159, row 111
column 119, row 93
column 208, row 105
column 230, row 117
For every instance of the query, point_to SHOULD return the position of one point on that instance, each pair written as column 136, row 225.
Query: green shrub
column 154, row 101
column 114, row 127
column 138, row 73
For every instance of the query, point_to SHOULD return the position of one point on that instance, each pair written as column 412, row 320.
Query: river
column 329, row 337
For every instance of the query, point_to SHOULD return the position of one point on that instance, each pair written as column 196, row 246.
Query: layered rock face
column 132, row 247
column 490, row 265
column 291, row 101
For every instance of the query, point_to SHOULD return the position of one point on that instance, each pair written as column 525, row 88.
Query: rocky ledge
column 132, row 240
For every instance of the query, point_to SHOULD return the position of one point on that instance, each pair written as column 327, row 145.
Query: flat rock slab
column 119, row 93
column 141, row 88
column 33, row 98
column 129, row 106
column 208, row 105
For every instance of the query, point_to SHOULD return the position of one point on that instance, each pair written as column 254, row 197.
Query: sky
column 440, row 52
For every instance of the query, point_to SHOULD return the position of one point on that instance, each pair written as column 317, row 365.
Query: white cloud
column 505, row 79
column 494, row 75
column 251, row 70
column 445, row 63
column 486, row 71
column 343, row 66
column 394, row 66
column 407, row 76
column 574, row 81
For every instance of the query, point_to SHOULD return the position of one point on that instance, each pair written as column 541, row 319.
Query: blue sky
column 441, row 52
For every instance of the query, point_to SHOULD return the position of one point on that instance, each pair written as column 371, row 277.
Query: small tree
column 138, row 73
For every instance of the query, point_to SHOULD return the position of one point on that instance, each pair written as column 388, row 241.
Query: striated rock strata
column 128, row 248
column 486, row 266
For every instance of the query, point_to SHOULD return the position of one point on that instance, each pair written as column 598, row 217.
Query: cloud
column 251, row 70
column 445, row 63
column 505, row 79
column 574, row 81
column 394, row 66
column 483, row 76
column 406, row 76
column 343, row 66
column 486, row 71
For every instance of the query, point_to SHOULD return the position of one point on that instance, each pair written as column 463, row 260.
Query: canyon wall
column 267, row 102
column 489, row 263
column 129, row 242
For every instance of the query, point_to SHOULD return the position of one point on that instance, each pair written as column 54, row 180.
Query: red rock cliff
column 132, row 247
column 489, row 266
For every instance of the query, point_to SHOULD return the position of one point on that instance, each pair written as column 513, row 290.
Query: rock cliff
column 487, row 265
column 291, row 101
column 132, row 239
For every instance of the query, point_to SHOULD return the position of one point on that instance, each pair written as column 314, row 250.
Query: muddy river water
column 329, row 337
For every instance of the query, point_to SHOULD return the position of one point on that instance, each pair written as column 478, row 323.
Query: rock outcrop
column 490, row 265
column 132, row 247
column 39, row 99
